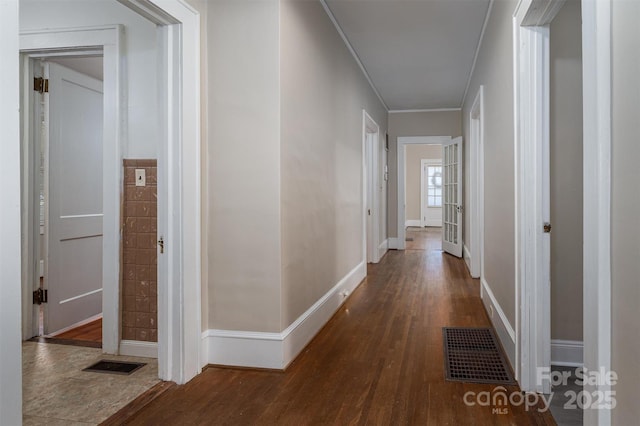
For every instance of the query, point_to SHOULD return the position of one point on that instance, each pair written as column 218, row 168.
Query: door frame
column 475, row 257
column 179, row 323
column 423, row 210
column 596, row 92
column 10, row 217
column 68, row 41
column 370, row 189
column 403, row 141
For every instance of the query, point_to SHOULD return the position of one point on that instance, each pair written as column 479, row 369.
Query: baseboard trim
column 503, row 327
column 412, row 222
column 567, row 353
column 278, row 350
column 393, row 243
column 383, row 248
column 467, row 257
column 137, row 348
column 76, row 325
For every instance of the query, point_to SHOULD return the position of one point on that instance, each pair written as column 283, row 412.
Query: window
column 434, row 186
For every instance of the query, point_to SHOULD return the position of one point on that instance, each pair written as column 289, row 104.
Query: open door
column 452, row 197
column 73, row 265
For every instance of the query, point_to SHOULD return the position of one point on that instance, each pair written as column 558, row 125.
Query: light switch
column 141, row 177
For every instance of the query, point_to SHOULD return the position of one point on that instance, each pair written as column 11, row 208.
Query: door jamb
column 531, row 156
column 596, row 89
column 400, row 153
column 370, row 187
column 476, row 193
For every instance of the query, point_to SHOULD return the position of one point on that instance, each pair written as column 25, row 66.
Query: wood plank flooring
column 378, row 361
column 91, row 332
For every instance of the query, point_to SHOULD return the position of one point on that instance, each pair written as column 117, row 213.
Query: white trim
column 413, row 223
column 80, row 296
column 278, row 350
column 596, row 87
column 402, row 111
column 402, row 142
column 179, row 268
column 353, row 52
column 78, row 324
column 475, row 56
column 137, row 348
column 566, row 353
column 393, row 243
column 10, row 218
column 383, row 248
column 500, row 322
column 476, row 183
column 370, row 188
column 110, row 38
column 467, row 257
column 532, row 177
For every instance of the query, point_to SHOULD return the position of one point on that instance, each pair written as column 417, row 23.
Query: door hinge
column 40, row 296
column 41, row 85
column 547, row 227
column 161, row 244
column 369, row 212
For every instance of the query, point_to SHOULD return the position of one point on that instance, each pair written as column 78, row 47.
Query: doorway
column 371, row 189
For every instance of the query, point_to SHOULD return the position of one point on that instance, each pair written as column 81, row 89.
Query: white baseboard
column 567, row 353
column 412, row 222
column 503, row 327
column 136, row 348
column 467, row 256
column 78, row 324
column 393, row 243
column 277, row 350
column 383, row 248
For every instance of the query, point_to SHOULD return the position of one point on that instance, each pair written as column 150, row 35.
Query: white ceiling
column 418, row 53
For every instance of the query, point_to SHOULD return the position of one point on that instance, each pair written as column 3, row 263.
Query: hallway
column 378, row 361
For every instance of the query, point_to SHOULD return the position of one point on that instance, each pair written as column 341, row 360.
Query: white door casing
column 109, row 39
column 452, row 197
column 429, row 216
column 476, row 190
column 370, row 189
column 532, row 176
column 73, row 264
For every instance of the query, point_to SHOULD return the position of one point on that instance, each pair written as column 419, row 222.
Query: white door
column 452, row 197
column 73, row 269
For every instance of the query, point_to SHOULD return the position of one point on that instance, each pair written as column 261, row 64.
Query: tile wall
column 139, row 254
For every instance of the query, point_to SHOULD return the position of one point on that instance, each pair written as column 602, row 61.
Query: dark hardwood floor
column 91, row 332
column 379, row 361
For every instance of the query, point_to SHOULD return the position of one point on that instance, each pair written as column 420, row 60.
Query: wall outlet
column 141, row 177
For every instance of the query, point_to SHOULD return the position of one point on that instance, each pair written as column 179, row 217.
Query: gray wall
column 442, row 123
column 566, row 172
column 625, row 212
column 323, row 95
column 243, row 165
column 494, row 70
column 414, row 156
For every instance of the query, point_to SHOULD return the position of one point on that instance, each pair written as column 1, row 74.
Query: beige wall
column 494, row 70
column 414, row 156
column 243, row 163
column 442, row 123
column 566, row 172
column 323, row 94
column 625, row 212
